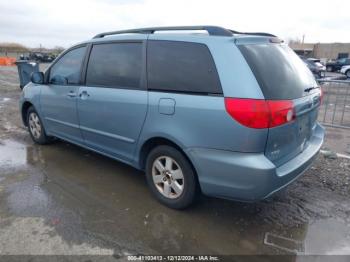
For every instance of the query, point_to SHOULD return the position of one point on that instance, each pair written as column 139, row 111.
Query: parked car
column 315, row 67
column 314, row 60
column 41, row 57
column 23, row 57
column 228, row 114
column 345, row 70
column 337, row 64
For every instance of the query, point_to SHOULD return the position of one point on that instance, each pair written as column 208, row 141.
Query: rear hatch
column 284, row 77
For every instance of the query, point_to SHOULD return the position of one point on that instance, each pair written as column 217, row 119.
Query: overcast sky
column 65, row 22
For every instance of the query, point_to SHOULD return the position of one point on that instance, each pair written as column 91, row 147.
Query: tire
column 165, row 166
column 36, row 128
column 329, row 68
column 347, row 73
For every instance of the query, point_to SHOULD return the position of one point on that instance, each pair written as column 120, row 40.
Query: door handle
column 84, row 95
column 71, row 94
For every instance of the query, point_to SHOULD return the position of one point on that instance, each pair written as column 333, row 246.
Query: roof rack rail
column 212, row 30
column 253, row 33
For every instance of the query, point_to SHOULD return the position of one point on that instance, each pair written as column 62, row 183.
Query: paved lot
column 61, row 199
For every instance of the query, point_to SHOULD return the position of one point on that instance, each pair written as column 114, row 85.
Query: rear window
column 181, row 67
column 280, row 73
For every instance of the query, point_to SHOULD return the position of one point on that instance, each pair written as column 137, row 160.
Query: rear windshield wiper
column 310, row 88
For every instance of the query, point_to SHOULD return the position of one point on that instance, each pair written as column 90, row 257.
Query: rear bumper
column 249, row 176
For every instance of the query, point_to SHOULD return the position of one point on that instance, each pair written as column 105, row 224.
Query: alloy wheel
column 35, row 125
column 168, row 177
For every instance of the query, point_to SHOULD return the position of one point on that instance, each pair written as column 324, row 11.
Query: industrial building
column 324, row 51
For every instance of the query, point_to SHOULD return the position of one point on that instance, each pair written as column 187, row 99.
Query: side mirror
column 37, row 78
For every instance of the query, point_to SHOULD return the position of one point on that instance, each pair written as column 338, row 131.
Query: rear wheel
column 170, row 177
column 36, row 128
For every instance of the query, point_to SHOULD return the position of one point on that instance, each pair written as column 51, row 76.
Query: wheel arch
column 347, row 71
column 153, row 142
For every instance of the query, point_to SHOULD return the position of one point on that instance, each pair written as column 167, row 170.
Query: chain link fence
column 335, row 109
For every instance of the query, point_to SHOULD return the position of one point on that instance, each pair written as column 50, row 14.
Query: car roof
column 202, row 34
column 185, row 37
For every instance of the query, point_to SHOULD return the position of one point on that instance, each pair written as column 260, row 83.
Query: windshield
column 280, row 73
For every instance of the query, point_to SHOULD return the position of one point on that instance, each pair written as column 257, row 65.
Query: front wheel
column 347, row 73
column 171, row 177
column 36, row 128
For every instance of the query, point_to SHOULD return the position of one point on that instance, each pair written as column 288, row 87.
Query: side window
column 182, row 67
column 66, row 71
column 115, row 65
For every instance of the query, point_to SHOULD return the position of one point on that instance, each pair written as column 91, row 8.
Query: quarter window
column 66, row 71
column 115, row 65
column 181, row 67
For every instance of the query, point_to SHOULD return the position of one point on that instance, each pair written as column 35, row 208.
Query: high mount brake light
column 260, row 113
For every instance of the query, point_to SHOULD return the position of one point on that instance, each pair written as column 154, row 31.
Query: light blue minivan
column 214, row 111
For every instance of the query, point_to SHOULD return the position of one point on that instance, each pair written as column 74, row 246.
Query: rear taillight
column 281, row 112
column 260, row 113
column 253, row 113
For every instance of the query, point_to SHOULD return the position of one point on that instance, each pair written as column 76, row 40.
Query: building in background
column 303, row 49
column 332, row 50
column 324, row 51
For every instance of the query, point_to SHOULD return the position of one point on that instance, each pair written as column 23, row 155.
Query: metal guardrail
column 335, row 108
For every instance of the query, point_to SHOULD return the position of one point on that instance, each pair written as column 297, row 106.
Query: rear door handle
column 71, row 94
